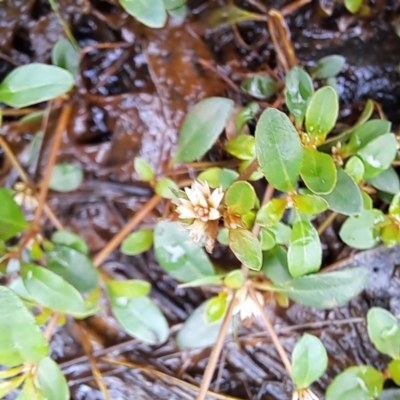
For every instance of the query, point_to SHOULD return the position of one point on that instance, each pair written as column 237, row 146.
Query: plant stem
column 275, row 339
column 245, row 175
column 216, row 351
column 10, row 112
column 44, row 188
column 52, row 326
column 323, row 227
column 126, row 230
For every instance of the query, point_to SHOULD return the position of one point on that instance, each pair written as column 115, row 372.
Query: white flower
column 246, row 307
column 201, row 206
column 304, row 394
column 25, row 196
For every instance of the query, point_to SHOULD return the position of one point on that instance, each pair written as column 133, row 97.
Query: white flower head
column 25, row 196
column 304, row 394
column 246, row 306
column 201, row 206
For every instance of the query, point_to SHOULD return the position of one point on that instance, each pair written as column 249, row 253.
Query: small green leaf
column 179, row 13
column 223, row 236
column 260, row 87
column 12, row 221
column 305, row 252
column 19, row 90
column 66, row 177
column 64, row 55
column 358, row 231
column 279, row 150
column 50, row 290
column 234, row 280
column 30, row 391
column 20, row 338
column 318, row 171
column 246, row 248
column 242, row 147
column 309, row 361
column 271, row 213
column 11, row 372
column 328, row 67
column 240, row 198
column 394, row 209
column 153, row 15
column 355, row 168
column 275, row 265
column 231, row 14
column 384, row 331
column 389, row 235
column 298, row 92
column 245, row 115
column 208, row 280
column 34, row 148
column 165, row 187
column 217, row 177
column 202, row 126
column 143, row 169
column 131, row 289
column 137, row 242
column 378, row 154
column 140, row 318
column 178, row 255
column 387, row 181
column 282, row 233
column 267, row 240
column 197, row 332
column 368, row 203
column 361, row 382
column 216, row 309
column 309, row 203
column 394, row 369
column 75, row 267
column 346, row 197
column 52, row 381
column 322, row 113
column 71, row 240
column 353, row 6
column 327, row 290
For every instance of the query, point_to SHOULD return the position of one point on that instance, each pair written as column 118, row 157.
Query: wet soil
column 135, row 86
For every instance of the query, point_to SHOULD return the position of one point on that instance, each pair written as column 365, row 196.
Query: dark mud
column 134, row 88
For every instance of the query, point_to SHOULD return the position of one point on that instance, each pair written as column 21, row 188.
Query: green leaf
column 51, row 291
column 30, row 391
column 394, row 370
column 208, row 280
column 12, row 221
column 267, row 239
column 367, row 132
column 298, row 92
column 384, row 331
column 173, row 4
column 394, row 208
column 11, row 372
column 234, row 280
column 328, row 67
column 143, row 169
column 260, row 87
column 165, row 187
column 368, row 203
column 327, row 290
column 361, row 382
column 390, row 394
column 34, row 148
column 20, row 338
column 64, row 55
column 152, row 14
column 309, row 361
column 201, row 127
column 216, row 309
column 389, row 235
column 196, row 332
column 387, row 181
column 358, row 231
column 19, row 90
column 378, row 154
column 346, row 197
column 305, row 252
column 245, row 115
column 246, row 248
column 223, row 236
column 52, row 381
column 271, row 213
column 131, row 289
column 178, row 255
column 137, row 242
column 353, row 6
column 217, row 177
column 355, row 168
column 322, row 113
column 240, row 198
column 282, row 233
column 179, row 13
column 318, row 171
column 71, row 240
column 66, row 177
column 275, row 265
column 230, row 14
column 279, row 150
column 140, row 318
column 309, row 203
column 75, row 267
column 242, row 147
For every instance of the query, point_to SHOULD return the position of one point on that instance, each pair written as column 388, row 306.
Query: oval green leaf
column 328, row 67
column 137, row 242
column 394, row 370
column 51, row 380
column 242, row 147
column 309, row 203
column 66, row 177
column 64, row 55
column 217, row 177
column 387, row 181
column 267, row 240
column 246, row 248
column 152, row 14
column 353, row 6
column 234, row 280
column 143, row 169
column 355, row 168
column 245, row 115
column 260, row 87
column 271, row 213
column 275, row 265
column 12, row 221
column 166, row 188
column 131, row 289
column 216, row 309
column 240, row 198
column 71, row 240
